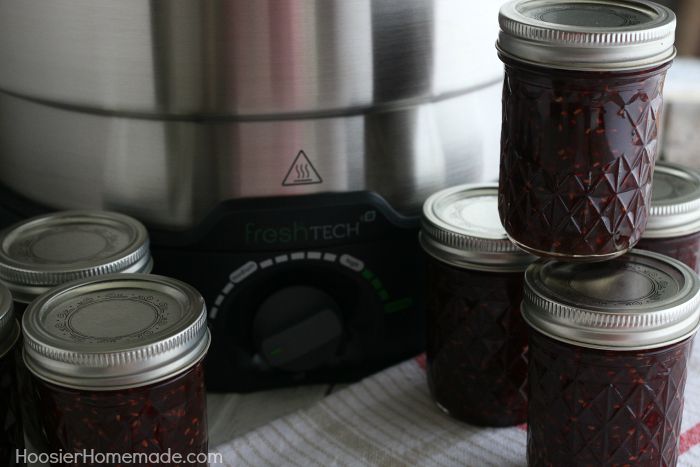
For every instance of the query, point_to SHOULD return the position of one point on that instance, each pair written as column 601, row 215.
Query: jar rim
column 7, row 317
column 33, row 254
column 587, row 35
column 115, row 331
column 458, row 261
column 637, row 301
column 460, row 226
column 675, row 202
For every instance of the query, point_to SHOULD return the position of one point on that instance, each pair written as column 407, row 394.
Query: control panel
column 313, row 289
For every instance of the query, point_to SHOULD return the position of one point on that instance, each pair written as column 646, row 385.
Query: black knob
column 298, row 328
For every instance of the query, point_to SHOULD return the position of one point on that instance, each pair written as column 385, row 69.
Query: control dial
column 298, row 328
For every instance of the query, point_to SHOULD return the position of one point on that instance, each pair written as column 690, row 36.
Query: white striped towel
column 389, row 419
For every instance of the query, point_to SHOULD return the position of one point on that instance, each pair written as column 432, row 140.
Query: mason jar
column 116, row 363
column 609, row 347
column 582, row 100
column 476, row 338
column 43, row 252
column 674, row 221
column 11, row 433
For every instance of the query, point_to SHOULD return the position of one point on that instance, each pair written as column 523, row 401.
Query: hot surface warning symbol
column 302, row 172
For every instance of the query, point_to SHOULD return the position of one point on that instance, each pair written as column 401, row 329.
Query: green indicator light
column 398, row 305
column 367, row 274
column 276, row 351
column 377, row 284
column 384, row 295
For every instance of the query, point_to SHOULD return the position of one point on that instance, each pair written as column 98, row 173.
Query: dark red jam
column 601, row 407
column 577, row 155
column 685, row 249
column 170, row 415
column 11, row 434
column 476, row 344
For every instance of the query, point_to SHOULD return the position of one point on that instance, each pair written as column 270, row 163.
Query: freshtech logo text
column 299, row 232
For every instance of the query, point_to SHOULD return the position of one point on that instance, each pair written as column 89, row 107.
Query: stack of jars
column 109, row 359
column 590, row 343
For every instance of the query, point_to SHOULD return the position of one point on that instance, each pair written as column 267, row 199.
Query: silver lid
column 675, row 202
column 9, row 328
column 49, row 250
column 461, row 226
column 115, row 331
column 637, row 301
column 592, row 35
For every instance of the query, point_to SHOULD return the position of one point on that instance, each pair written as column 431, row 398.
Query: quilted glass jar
column 674, row 221
column 116, row 363
column 476, row 337
column 609, row 346
column 582, row 100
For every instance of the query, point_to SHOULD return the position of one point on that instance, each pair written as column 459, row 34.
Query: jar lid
column 594, row 35
column 52, row 249
column 640, row 300
column 9, row 328
column 675, row 202
column 115, row 331
column 461, row 226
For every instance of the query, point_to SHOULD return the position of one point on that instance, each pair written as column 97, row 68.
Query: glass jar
column 609, row 346
column 674, row 221
column 49, row 250
column 582, row 99
column 11, row 433
column 476, row 338
column 40, row 253
column 116, row 363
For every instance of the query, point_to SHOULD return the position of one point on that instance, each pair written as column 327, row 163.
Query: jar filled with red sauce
column 476, row 338
column 43, row 252
column 609, row 347
column 11, row 433
column 116, row 363
column 582, row 99
column 674, row 221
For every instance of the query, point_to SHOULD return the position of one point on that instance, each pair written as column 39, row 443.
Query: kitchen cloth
column 389, row 419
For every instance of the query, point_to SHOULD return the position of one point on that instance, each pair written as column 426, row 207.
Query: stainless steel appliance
column 277, row 149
